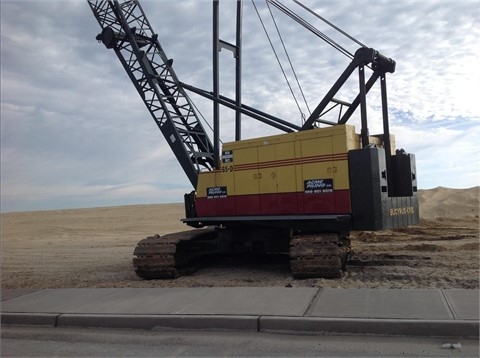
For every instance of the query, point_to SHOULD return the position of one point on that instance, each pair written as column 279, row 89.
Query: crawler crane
column 299, row 192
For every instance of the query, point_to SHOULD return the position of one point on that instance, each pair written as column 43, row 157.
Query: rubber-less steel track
column 318, row 255
column 173, row 255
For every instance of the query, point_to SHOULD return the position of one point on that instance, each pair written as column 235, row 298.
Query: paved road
column 81, row 342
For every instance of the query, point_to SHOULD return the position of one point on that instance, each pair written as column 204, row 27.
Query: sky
column 75, row 133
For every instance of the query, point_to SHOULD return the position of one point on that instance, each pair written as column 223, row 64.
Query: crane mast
column 127, row 31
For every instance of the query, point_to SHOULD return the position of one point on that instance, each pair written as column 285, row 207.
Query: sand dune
column 449, row 203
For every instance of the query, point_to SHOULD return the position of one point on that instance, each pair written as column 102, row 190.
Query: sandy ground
column 93, row 248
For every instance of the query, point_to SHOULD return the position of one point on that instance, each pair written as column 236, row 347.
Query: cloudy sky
column 74, row 132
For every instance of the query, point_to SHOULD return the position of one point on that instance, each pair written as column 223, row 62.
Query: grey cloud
column 74, row 128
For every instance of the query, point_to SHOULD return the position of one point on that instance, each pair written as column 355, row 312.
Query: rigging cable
column 329, row 23
column 201, row 115
column 310, row 27
column 278, row 59
column 288, row 57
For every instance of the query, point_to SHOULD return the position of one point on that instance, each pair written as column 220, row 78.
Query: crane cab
column 309, row 175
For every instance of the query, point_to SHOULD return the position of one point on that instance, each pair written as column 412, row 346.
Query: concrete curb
column 267, row 324
column 158, row 322
column 30, row 319
column 389, row 327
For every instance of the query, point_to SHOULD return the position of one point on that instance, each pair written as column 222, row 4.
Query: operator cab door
column 267, row 179
column 247, row 200
column 317, row 171
column 277, row 181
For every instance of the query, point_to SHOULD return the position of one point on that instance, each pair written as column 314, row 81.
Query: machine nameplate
column 316, row 186
column 217, row 192
column 402, row 211
column 227, row 156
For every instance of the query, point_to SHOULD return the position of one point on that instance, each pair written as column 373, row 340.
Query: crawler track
column 178, row 254
column 173, row 255
column 318, row 255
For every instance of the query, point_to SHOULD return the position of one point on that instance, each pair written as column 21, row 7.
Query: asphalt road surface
column 24, row 341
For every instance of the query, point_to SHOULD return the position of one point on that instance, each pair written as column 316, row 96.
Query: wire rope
column 329, row 23
column 310, row 27
column 278, row 59
column 288, row 57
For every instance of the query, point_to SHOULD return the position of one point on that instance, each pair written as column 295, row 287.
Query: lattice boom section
column 126, row 29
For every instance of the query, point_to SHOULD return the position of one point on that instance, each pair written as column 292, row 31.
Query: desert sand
column 93, row 248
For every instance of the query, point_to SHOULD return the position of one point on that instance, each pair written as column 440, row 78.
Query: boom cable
column 278, row 59
column 288, row 57
column 202, row 116
column 329, row 23
column 310, row 27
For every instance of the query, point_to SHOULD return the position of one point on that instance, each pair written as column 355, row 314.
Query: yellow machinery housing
column 297, row 173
